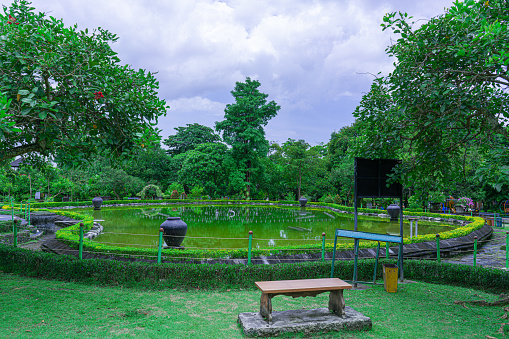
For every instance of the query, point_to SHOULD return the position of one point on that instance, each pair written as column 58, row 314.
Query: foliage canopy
column 69, row 96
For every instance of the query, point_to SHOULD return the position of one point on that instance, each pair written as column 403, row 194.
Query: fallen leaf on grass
column 28, row 331
column 490, row 337
column 501, row 329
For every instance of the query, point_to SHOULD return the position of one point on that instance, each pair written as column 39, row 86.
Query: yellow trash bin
column 390, row 277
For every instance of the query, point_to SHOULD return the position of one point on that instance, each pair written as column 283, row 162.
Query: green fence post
column 475, row 251
column 438, row 247
column 12, row 209
column 28, row 212
column 15, row 230
column 507, row 250
column 323, row 246
column 387, row 250
column 160, row 248
column 81, row 241
column 249, row 248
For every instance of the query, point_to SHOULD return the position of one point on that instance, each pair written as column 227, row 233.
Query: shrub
column 212, row 276
column 174, row 194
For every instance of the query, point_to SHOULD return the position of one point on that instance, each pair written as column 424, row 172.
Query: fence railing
column 160, row 242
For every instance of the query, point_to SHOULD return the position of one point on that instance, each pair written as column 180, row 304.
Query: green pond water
column 227, row 227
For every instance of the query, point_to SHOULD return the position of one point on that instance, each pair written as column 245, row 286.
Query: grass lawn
column 32, row 308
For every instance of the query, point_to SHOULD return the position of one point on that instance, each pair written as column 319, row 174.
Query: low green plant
column 5, row 226
column 174, row 275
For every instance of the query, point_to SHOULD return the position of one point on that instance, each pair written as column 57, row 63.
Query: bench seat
column 303, row 288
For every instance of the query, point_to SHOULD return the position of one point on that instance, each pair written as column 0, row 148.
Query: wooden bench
column 303, row 288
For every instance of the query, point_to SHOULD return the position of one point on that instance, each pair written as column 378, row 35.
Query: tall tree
column 449, row 90
column 69, row 95
column 297, row 161
column 242, row 127
column 203, row 167
column 189, row 137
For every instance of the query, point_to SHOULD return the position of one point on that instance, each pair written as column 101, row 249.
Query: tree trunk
column 248, row 179
column 300, row 183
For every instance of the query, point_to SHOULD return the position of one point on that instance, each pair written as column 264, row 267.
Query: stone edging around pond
column 94, row 231
column 380, row 215
column 448, row 247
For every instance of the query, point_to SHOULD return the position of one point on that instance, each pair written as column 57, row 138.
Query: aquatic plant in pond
column 227, row 227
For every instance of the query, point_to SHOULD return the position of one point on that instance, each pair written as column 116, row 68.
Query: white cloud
column 308, row 55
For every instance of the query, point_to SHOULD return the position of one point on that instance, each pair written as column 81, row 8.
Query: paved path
column 489, row 255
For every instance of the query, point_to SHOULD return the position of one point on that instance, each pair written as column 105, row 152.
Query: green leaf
column 42, row 115
column 23, row 92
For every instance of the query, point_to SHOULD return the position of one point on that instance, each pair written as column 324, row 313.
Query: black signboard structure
column 372, row 179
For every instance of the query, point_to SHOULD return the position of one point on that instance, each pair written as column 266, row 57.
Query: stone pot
column 303, row 201
column 460, row 209
column 393, row 210
column 174, row 231
column 97, row 202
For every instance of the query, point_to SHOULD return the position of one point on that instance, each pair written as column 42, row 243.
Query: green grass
column 33, row 308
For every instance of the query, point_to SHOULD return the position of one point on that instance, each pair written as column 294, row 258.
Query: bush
column 212, row 276
column 337, row 199
column 5, row 226
column 174, row 194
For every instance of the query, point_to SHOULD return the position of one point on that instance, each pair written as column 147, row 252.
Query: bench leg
column 266, row 307
column 337, row 303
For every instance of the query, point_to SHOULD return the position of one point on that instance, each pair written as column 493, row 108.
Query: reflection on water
column 228, row 227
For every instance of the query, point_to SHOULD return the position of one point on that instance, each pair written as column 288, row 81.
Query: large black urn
column 97, row 202
column 393, row 210
column 174, row 231
column 303, row 201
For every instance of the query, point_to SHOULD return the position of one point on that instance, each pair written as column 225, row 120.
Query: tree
column 242, row 127
column 69, row 96
column 188, row 137
column 448, row 92
column 152, row 165
column 297, row 161
column 203, row 167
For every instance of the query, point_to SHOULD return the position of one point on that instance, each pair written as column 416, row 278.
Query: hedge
column 220, row 276
column 71, row 237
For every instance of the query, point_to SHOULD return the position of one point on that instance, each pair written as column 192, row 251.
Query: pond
column 227, row 227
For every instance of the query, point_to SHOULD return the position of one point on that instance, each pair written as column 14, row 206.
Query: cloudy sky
column 312, row 57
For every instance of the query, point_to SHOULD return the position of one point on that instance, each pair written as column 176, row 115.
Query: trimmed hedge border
column 70, row 236
column 220, row 276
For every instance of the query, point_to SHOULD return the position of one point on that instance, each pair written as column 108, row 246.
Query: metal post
column 376, row 261
column 416, row 224
column 400, row 254
column 475, row 251
column 160, row 248
column 28, row 212
column 334, row 254
column 507, row 250
column 411, row 228
column 387, row 250
column 356, row 252
column 81, row 241
column 15, row 230
column 249, row 248
column 323, row 246
column 12, row 209
column 438, row 247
